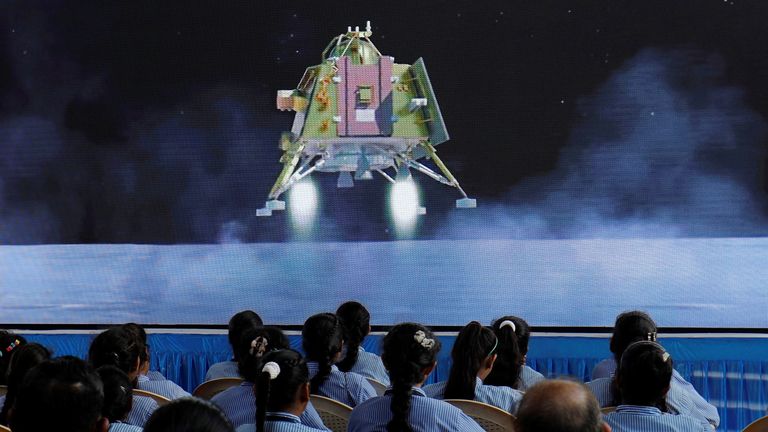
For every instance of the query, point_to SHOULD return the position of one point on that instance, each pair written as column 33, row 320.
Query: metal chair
column 489, row 417
column 335, row 415
column 161, row 400
column 209, row 389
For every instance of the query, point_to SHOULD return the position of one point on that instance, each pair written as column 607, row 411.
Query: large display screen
column 616, row 151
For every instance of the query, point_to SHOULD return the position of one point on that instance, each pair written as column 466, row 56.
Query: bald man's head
column 559, row 406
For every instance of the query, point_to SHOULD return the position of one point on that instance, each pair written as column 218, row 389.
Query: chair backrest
column 379, row 386
column 487, row 416
column 161, row 400
column 607, row 410
column 3, row 390
column 335, row 415
column 759, row 425
column 211, row 388
column 4, row 429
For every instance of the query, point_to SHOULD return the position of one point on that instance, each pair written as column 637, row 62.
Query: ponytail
column 322, row 340
column 473, row 346
column 280, row 377
column 506, row 371
column 408, row 350
column 355, row 320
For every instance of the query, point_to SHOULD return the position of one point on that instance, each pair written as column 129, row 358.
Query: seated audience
column 117, row 398
column 559, row 406
column 188, row 415
column 355, row 321
column 682, row 397
column 282, row 394
column 238, row 324
column 473, row 356
column 239, row 403
column 322, row 340
column 644, row 378
column 119, row 347
column 510, row 369
column 8, row 342
column 21, row 361
column 409, row 352
column 152, row 381
column 63, row 394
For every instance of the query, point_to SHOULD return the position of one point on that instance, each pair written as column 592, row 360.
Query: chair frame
column 329, row 407
column 483, row 411
column 377, row 385
column 209, row 389
column 160, row 399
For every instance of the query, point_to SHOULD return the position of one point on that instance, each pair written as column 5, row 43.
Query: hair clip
column 665, row 356
column 651, row 336
column 258, row 346
column 123, row 389
column 272, row 368
column 13, row 345
column 421, row 338
column 507, row 323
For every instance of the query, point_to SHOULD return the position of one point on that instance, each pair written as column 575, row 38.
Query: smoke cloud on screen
column 664, row 148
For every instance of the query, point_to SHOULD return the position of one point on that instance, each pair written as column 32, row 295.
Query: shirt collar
column 639, row 409
column 284, row 415
column 143, row 378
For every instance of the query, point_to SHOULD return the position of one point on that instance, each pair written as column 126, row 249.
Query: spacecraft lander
column 359, row 112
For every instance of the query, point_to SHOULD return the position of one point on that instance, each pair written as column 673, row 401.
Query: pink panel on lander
column 370, row 115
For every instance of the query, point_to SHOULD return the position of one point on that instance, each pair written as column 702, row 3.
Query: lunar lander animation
column 358, row 113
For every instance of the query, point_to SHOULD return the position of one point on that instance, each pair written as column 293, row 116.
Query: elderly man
column 559, row 406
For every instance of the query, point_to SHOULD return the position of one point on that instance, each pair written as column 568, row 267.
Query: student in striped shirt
column 559, row 406
column 21, row 361
column 238, row 324
column 189, row 415
column 282, row 394
column 322, row 340
column 118, row 347
column 510, row 369
column 644, row 378
column 682, row 397
column 152, row 381
column 355, row 320
column 117, row 399
column 239, row 403
column 409, row 353
column 473, row 356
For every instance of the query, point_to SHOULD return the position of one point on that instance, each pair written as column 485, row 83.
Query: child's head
column 118, row 396
column 118, row 347
column 355, row 321
column 254, row 344
column 239, row 323
column 631, row 327
column 8, row 342
column 473, row 355
column 322, row 339
column 188, row 415
column 283, row 385
column 513, row 334
column 21, row 361
column 644, row 374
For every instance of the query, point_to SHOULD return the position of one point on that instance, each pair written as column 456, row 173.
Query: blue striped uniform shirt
column 123, row 427
column 701, row 408
column 529, row 377
column 633, row 418
column 279, row 422
column 142, row 409
column 239, row 405
column 346, row 387
column 163, row 387
column 2, row 401
column 426, row 415
column 370, row 365
column 501, row 397
column 225, row 369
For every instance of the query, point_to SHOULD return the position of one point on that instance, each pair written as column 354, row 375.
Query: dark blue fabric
column 731, row 373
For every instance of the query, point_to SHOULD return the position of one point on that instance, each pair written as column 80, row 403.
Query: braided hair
column 355, row 320
column 23, row 359
column 513, row 346
column 473, row 346
column 322, row 340
column 277, row 386
column 254, row 344
column 644, row 374
column 408, row 351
